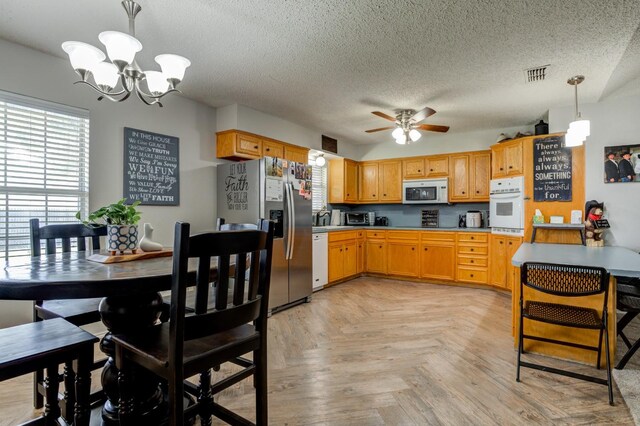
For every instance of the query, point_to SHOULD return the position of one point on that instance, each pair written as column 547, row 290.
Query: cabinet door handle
column 340, row 249
column 511, row 167
column 477, row 192
column 347, row 249
column 500, row 242
column 413, row 248
column 268, row 149
column 472, row 238
column 463, row 192
column 255, row 147
column 419, row 170
column 471, row 275
column 380, row 246
column 501, row 168
column 384, row 195
column 425, row 249
column 471, row 249
column 430, row 170
column 471, row 260
column 510, row 243
column 373, row 195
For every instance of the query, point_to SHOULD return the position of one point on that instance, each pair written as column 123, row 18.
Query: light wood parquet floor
column 376, row 351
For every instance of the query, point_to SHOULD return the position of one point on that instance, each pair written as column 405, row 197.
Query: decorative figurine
column 147, row 243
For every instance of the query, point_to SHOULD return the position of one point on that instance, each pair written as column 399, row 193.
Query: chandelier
column 88, row 61
column 405, row 132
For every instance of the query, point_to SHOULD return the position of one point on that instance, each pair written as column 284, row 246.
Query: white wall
column 437, row 143
column 32, row 73
column 241, row 117
column 613, row 122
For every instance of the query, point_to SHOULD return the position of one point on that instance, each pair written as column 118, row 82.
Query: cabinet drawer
column 473, row 249
column 438, row 236
column 342, row 236
column 472, row 275
column 376, row 234
column 473, row 261
column 403, row 235
column 472, row 237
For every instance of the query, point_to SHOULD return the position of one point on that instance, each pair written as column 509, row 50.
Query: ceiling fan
column 406, row 124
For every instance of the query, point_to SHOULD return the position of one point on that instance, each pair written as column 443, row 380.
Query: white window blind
column 44, row 167
column 318, row 188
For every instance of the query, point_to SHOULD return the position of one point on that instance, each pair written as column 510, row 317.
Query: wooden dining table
column 131, row 301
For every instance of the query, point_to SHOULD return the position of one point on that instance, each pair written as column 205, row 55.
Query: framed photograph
column 622, row 163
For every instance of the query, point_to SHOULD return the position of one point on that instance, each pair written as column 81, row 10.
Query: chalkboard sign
column 551, row 169
column 151, row 168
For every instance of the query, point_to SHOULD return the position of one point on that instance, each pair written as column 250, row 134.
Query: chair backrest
column 63, row 232
column 221, row 225
column 252, row 246
column 564, row 280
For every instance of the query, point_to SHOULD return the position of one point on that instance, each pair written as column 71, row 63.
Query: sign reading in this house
column 151, row 168
column 552, row 170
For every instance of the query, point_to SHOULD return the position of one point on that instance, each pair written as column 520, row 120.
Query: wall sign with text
column 151, row 168
column 552, row 170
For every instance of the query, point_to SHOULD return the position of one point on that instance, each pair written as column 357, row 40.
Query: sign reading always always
column 151, row 168
column 552, row 170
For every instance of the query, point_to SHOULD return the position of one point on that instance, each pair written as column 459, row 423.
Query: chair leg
column 205, row 398
column 38, row 378
column 51, row 385
column 606, row 348
column 520, row 345
column 82, row 414
column 176, row 400
column 260, row 376
column 126, row 401
column 599, row 350
column 69, row 391
column 624, row 321
column 632, row 350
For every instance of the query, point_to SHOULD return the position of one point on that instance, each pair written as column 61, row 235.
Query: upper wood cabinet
column 239, row 145
column 507, row 159
column 436, row 166
column 459, row 179
column 296, row 154
column 469, row 177
column 413, row 168
column 343, row 181
column 390, row 181
column 368, row 179
column 272, row 149
column 481, row 169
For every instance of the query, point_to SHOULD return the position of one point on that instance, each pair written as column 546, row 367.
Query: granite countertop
column 321, row 229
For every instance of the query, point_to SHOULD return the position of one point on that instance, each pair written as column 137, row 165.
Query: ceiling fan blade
column 380, row 129
column 422, row 114
column 383, row 115
column 433, row 128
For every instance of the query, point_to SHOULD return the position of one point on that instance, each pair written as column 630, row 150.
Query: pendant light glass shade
column 156, row 82
column 572, row 139
column 173, row 66
column 105, row 74
column 580, row 127
column 414, row 135
column 320, row 161
column 82, row 56
column 120, row 46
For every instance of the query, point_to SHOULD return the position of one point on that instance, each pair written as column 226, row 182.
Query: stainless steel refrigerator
column 278, row 190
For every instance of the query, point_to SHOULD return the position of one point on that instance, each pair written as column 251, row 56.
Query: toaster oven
column 356, row 218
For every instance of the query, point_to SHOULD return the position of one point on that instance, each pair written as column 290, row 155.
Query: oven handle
column 505, row 195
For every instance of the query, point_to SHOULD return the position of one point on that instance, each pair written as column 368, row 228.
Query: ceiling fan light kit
column 580, row 128
column 406, row 126
column 87, row 61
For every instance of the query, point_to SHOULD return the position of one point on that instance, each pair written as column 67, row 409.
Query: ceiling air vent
column 536, row 74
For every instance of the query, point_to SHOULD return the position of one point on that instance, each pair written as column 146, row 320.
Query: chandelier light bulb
column 402, row 139
column 320, row 161
column 397, row 132
column 156, row 82
column 173, row 66
column 105, row 74
column 82, row 56
column 414, row 135
column 121, row 47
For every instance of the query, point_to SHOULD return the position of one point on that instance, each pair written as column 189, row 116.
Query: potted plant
column 121, row 220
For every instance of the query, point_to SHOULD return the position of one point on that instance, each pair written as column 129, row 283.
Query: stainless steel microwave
column 425, row 191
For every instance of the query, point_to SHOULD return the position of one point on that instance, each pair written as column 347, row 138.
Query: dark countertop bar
column 322, row 229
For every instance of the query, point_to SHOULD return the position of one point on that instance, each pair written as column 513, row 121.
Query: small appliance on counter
column 462, row 221
column 473, row 219
column 321, row 218
column 381, row 221
column 356, row 219
column 335, row 217
column 372, row 218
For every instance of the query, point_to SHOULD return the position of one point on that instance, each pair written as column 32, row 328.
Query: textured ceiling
column 327, row 64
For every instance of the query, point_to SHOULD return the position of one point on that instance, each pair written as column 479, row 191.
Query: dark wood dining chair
column 628, row 301
column 76, row 311
column 45, row 345
column 570, row 282
column 194, row 343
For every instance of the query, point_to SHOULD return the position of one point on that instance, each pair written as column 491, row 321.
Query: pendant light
column 580, row 128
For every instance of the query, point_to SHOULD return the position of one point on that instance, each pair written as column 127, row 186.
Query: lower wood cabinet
column 438, row 260
column 402, row 258
column 472, row 257
column 501, row 250
column 343, row 255
column 360, row 254
column 376, row 256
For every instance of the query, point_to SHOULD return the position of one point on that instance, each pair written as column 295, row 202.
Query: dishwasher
column 320, row 252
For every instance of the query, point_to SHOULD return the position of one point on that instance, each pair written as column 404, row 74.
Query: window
column 44, row 167
column 318, row 188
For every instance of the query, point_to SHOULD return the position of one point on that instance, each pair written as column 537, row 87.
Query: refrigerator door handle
column 292, row 216
column 287, row 196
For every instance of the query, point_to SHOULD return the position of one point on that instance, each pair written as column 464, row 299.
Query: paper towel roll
column 335, row 217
